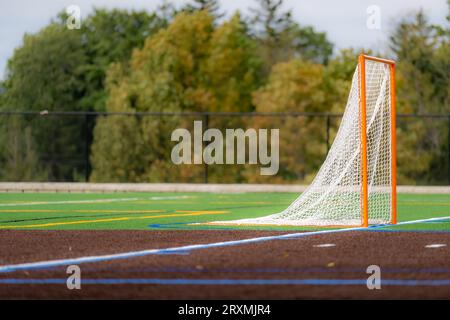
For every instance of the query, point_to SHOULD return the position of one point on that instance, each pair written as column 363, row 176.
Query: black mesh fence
column 137, row 147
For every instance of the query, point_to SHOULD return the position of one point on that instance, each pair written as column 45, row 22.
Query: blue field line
column 116, row 269
column 174, row 225
column 180, row 252
column 141, row 253
column 190, row 226
column 409, row 230
column 184, row 226
column 218, row 282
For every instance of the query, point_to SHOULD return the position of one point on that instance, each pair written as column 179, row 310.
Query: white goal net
column 336, row 195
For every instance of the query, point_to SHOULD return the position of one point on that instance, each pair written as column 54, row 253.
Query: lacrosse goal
column 356, row 185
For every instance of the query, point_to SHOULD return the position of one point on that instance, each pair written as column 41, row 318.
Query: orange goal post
column 362, row 79
column 356, row 184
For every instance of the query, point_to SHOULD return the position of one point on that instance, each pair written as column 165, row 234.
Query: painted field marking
column 35, row 211
column 249, row 202
column 11, row 201
column 192, row 213
column 215, row 282
column 81, row 211
column 90, row 201
column 196, row 211
column 423, row 203
column 164, row 202
column 435, row 245
column 443, row 219
column 54, row 224
column 115, row 211
column 306, row 270
column 324, row 245
column 429, row 231
column 221, row 203
column 170, row 197
column 141, row 253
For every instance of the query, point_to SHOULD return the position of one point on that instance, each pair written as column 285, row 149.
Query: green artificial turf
column 82, row 211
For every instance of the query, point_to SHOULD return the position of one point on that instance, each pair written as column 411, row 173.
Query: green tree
column 423, row 56
column 338, row 78
column 111, row 36
column 190, row 66
column 58, row 69
column 46, row 74
column 212, row 6
column 166, row 11
column 294, row 86
column 232, row 69
column 18, row 153
column 281, row 38
column 420, row 49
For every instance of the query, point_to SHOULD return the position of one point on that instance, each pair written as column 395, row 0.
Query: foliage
column 423, row 54
column 212, row 6
column 281, row 38
column 191, row 65
column 46, row 74
column 195, row 59
column 58, row 69
column 294, row 86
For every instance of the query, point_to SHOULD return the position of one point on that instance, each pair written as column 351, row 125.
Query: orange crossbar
column 390, row 62
column 363, row 119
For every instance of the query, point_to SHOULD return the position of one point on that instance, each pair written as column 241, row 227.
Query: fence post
column 205, row 165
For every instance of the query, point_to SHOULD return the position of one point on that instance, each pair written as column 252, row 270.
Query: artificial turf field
column 155, row 232
column 144, row 211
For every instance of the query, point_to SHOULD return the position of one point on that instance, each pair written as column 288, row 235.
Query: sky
column 344, row 21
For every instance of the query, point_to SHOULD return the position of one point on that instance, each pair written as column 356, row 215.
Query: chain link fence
column 136, row 147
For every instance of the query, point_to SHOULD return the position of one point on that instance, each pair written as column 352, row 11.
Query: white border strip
column 134, row 254
column 180, row 187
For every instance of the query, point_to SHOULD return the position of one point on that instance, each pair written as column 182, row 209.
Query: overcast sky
column 344, row 21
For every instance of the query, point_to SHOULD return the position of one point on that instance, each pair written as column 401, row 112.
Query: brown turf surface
column 400, row 255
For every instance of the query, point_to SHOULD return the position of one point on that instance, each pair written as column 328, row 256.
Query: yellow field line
column 163, row 202
column 82, row 211
column 30, row 210
column 63, row 223
column 197, row 213
column 117, row 211
column 249, row 202
column 412, row 203
column 11, row 201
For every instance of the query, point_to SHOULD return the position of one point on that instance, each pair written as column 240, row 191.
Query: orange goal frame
column 362, row 105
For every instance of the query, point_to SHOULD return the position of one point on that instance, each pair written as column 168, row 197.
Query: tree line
column 194, row 58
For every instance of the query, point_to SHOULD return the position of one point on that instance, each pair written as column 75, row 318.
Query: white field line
column 435, row 245
column 91, row 201
column 324, row 245
column 140, row 253
column 419, row 221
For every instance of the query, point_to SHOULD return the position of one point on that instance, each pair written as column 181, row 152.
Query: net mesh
column 335, row 195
